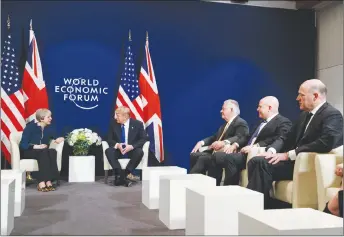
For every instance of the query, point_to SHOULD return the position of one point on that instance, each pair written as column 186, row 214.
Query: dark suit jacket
column 236, row 130
column 137, row 136
column 324, row 133
column 270, row 135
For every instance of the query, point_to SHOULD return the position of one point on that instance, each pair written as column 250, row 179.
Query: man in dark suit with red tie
column 229, row 133
column 126, row 138
column 266, row 134
column 319, row 129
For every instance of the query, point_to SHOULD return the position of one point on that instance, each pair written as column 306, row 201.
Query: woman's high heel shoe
column 44, row 189
column 51, row 188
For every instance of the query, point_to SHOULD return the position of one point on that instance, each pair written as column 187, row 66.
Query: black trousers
column 232, row 163
column 261, row 174
column 200, row 162
column 113, row 155
column 47, row 164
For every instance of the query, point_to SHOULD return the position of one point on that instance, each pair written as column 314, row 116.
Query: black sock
column 326, row 210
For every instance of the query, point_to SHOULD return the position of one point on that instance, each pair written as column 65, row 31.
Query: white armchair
column 124, row 162
column 244, row 175
column 301, row 192
column 29, row 165
column 328, row 184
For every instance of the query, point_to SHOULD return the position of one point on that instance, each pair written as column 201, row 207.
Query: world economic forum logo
column 84, row 93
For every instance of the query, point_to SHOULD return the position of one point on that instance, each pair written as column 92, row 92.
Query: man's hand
column 127, row 149
column 339, row 170
column 197, row 147
column 275, row 158
column 119, row 146
column 229, row 148
column 42, row 146
column 217, row 145
column 266, row 154
column 59, row 140
column 246, row 149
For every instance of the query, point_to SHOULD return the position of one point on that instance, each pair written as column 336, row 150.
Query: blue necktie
column 255, row 134
column 123, row 139
column 122, row 134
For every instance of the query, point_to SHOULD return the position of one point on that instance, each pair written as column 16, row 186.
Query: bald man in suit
column 319, row 129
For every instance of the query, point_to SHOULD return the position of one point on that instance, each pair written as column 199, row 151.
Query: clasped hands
column 43, row 146
column 126, row 148
column 218, row 145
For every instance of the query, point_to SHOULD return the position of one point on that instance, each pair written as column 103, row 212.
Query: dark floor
column 88, row 209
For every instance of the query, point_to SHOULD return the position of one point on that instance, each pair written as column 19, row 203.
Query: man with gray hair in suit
column 229, row 133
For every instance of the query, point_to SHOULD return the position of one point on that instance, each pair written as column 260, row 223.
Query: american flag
column 35, row 92
column 151, row 105
column 129, row 91
column 12, row 100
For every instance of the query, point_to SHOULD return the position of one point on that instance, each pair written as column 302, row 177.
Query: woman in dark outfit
column 34, row 144
column 335, row 205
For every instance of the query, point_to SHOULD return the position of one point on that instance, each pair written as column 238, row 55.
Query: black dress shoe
column 127, row 183
column 118, row 181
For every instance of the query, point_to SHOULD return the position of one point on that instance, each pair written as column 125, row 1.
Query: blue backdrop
column 203, row 53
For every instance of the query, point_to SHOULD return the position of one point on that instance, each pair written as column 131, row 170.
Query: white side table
column 7, row 205
column 150, row 183
column 297, row 221
column 81, row 169
column 172, row 197
column 214, row 210
column 20, row 184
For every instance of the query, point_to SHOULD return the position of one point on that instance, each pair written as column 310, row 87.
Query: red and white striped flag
column 129, row 92
column 151, row 105
column 35, row 93
column 12, row 100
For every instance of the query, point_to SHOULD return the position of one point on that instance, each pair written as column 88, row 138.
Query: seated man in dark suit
column 229, row 133
column 266, row 134
column 319, row 129
column 126, row 138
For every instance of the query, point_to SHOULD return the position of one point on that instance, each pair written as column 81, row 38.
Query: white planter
column 7, row 205
column 151, row 181
column 20, row 183
column 81, row 169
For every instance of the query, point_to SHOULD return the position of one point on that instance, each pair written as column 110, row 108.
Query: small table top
column 296, row 218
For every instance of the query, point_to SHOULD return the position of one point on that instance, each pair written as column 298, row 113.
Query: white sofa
column 328, row 184
column 302, row 191
column 124, row 162
column 29, row 165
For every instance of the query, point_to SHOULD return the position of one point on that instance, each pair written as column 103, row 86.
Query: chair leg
column 106, row 176
column 140, row 171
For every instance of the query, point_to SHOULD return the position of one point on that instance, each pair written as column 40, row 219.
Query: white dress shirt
column 292, row 153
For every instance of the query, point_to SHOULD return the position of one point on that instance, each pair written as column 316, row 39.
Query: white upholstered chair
column 124, row 162
column 328, row 184
column 301, row 192
column 29, row 165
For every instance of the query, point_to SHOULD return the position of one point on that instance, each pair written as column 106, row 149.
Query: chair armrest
column 203, row 148
column 325, row 165
column 144, row 161
column 255, row 151
column 15, row 155
column 304, row 181
column 59, row 149
column 106, row 163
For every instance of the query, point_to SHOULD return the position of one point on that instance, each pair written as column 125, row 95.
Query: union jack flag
column 35, row 93
column 129, row 91
column 151, row 105
column 12, row 100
